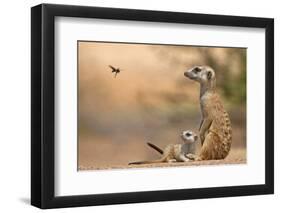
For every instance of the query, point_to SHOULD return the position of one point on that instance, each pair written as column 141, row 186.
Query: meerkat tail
column 146, row 162
column 155, row 147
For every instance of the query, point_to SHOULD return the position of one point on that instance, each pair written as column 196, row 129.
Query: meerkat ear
column 209, row 75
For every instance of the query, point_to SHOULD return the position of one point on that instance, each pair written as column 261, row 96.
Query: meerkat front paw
column 190, row 156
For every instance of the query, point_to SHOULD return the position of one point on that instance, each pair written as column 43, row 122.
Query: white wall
column 15, row 105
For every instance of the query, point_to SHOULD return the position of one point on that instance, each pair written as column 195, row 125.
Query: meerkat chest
column 205, row 103
column 179, row 149
column 188, row 148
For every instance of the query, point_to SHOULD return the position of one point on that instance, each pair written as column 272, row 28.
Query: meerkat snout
column 192, row 73
column 189, row 136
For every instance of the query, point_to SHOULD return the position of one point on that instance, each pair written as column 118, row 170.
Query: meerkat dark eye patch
column 196, row 69
column 209, row 75
column 187, row 134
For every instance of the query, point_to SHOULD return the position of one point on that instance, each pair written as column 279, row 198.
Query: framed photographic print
column 139, row 106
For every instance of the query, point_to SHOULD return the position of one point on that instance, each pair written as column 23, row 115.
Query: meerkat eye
column 196, row 69
column 188, row 134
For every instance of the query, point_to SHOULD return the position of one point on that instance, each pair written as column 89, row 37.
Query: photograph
column 146, row 105
column 139, row 105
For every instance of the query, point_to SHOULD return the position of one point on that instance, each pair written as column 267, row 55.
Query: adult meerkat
column 215, row 128
column 175, row 152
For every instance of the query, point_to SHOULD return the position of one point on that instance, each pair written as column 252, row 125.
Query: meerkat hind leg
column 209, row 150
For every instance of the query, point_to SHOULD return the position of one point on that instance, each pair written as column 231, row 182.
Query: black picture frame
column 43, row 102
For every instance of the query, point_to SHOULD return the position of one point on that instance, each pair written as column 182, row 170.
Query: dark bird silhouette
column 115, row 70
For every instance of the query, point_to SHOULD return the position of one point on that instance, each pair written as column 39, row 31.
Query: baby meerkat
column 175, row 152
column 215, row 128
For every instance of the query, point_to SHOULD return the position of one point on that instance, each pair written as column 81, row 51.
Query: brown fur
column 215, row 129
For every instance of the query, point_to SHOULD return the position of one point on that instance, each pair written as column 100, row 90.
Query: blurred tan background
column 150, row 100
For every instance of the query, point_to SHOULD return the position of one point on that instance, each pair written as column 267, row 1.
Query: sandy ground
column 237, row 156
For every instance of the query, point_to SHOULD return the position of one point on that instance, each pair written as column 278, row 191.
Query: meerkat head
column 202, row 74
column 189, row 136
